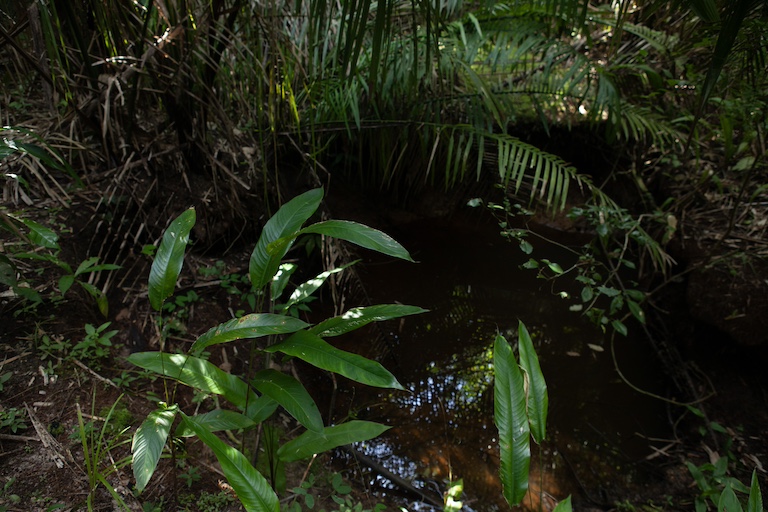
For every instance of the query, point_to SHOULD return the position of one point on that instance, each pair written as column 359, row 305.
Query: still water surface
column 471, row 281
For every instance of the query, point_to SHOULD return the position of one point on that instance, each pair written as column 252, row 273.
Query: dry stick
column 12, row 359
column 96, row 375
column 18, row 439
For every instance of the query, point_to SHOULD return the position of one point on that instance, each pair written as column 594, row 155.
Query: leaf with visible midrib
column 289, row 393
column 247, row 327
column 251, row 487
column 197, row 373
column 512, row 421
column 310, row 443
column 358, row 317
column 278, row 235
column 318, row 352
column 169, row 259
column 538, row 399
column 361, row 235
column 148, row 443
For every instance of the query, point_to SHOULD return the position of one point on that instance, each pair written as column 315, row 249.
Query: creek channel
column 600, row 430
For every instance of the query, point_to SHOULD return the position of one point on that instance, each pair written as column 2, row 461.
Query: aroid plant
column 252, row 401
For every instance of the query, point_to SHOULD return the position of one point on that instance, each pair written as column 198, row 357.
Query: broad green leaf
column 288, row 392
column 197, row 373
column 41, row 235
column 249, row 326
column 361, row 235
column 538, row 399
column 251, row 487
column 284, row 225
column 283, row 275
column 512, row 421
column 728, row 501
column 358, row 317
column 316, row 351
column 260, row 409
column 310, row 443
column 755, row 503
column 564, row 506
column 304, row 290
column 148, row 442
column 169, row 259
column 215, row 421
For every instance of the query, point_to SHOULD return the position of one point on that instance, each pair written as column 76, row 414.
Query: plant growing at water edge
column 521, row 403
column 255, row 400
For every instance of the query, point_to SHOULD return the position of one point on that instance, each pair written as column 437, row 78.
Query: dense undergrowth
column 135, row 111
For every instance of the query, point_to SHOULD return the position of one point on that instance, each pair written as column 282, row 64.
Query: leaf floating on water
column 596, row 348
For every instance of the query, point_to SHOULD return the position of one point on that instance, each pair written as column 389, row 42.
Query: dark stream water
column 470, row 280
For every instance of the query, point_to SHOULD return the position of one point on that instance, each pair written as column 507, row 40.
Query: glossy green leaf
column 564, row 505
column 41, row 235
column 216, row 420
column 249, row 326
column 316, row 351
column 755, row 502
column 288, row 392
column 360, row 234
column 260, row 409
column 278, row 235
column 197, row 373
column 512, row 422
column 306, row 289
column 169, row 259
column 358, row 317
column 251, row 487
column 281, row 279
column 148, row 443
column 538, row 398
column 310, row 443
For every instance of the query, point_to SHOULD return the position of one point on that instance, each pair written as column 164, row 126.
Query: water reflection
column 469, row 278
